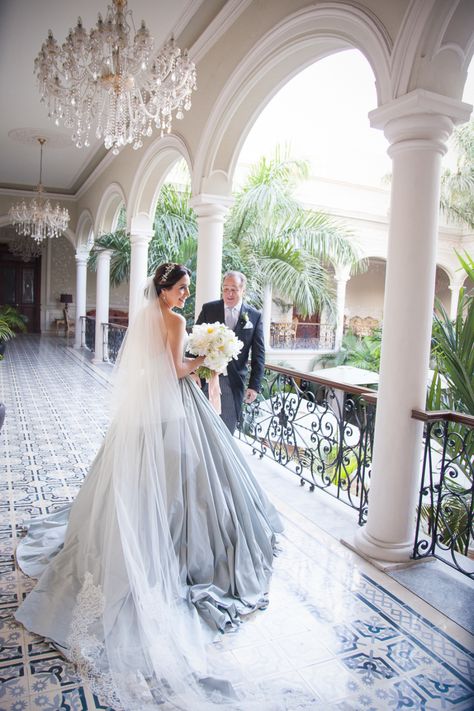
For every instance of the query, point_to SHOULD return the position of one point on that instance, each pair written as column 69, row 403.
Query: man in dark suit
column 247, row 324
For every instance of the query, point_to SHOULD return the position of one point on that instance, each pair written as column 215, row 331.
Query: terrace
column 340, row 633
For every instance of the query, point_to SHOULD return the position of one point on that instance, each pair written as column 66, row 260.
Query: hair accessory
column 167, row 272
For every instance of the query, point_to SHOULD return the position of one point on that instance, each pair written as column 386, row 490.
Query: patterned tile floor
column 337, row 629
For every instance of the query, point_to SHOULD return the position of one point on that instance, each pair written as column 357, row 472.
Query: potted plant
column 10, row 319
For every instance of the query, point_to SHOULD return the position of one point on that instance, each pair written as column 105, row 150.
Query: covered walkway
column 338, row 634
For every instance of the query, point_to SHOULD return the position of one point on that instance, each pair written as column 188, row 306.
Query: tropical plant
column 457, row 186
column 279, row 243
column 360, row 352
column 10, row 319
column 453, row 353
column 174, row 238
column 452, row 348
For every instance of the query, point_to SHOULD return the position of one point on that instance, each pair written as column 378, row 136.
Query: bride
column 169, row 540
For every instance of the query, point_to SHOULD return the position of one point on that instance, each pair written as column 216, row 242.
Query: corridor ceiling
column 24, row 26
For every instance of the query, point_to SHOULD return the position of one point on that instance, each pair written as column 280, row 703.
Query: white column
column 342, row 276
column 141, row 233
column 454, row 287
column 210, row 211
column 82, row 255
column 102, row 304
column 417, row 126
column 267, row 314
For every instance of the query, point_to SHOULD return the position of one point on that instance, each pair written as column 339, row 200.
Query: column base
column 372, row 548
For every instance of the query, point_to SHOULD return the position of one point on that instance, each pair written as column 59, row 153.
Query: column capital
column 140, row 238
column 342, row 272
column 419, row 102
column 141, row 224
column 211, row 207
column 420, row 120
column 104, row 255
column 82, row 255
column 456, row 282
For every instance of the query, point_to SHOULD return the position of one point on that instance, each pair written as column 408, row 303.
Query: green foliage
column 10, row 319
column 453, row 351
column 360, row 352
column 457, row 186
column 280, row 243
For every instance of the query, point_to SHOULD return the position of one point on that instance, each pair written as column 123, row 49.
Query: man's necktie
column 230, row 317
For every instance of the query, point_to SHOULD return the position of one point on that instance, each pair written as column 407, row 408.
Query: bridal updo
column 168, row 274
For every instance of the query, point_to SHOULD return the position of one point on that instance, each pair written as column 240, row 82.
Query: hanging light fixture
column 25, row 248
column 38, row 218
column 111, row 76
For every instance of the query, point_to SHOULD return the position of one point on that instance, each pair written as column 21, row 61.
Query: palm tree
column 457, row 187
column 279, row 243
column 174, row 238
column 453, row 351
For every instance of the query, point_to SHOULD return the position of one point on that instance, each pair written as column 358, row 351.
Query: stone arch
column 157, row 161
column 110, row 203
column 434, row 47
column 365, row 292
column 85, row 230
column 292, row 45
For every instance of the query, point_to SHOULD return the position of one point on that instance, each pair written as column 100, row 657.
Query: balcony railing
column 113, row 338
column 88, row 332
column 445, row 518
column 320, row 430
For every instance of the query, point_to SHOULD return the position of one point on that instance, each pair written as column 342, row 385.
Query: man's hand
column 250, row 396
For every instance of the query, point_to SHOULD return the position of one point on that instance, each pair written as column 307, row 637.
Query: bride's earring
column 163, row 296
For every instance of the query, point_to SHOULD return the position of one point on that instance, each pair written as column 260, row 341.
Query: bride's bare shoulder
column 174, row 321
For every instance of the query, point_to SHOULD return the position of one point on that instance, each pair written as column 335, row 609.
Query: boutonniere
column 245, row 322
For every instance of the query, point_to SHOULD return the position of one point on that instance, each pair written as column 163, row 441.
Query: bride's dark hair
column 168, row 274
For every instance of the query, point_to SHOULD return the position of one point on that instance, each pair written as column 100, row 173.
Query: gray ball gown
column 169, row 540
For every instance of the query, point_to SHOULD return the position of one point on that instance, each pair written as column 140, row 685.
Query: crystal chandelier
column 38, row 218
column 25, row 248
column 111, row 76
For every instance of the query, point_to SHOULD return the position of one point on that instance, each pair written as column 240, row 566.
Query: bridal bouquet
column 218, row 343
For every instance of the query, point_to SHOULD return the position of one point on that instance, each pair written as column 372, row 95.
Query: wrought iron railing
column 89, row 332
column 445, row 517
column 320, row 430
column 113, row 337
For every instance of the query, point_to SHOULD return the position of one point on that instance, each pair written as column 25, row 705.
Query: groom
column 247, row 324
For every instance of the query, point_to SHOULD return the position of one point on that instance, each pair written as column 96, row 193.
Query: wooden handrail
column 355, row 389
column 449, row 415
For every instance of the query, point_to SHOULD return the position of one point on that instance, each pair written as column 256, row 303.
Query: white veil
column 134, row 634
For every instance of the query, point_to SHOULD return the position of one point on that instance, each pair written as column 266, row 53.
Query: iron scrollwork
column 321, row 433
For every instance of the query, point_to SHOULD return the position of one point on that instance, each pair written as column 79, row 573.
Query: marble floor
column 338, row 633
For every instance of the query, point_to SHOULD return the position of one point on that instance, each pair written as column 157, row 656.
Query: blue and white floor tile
column 338, row 634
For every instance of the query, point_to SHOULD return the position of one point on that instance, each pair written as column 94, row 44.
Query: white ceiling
column 24, row 26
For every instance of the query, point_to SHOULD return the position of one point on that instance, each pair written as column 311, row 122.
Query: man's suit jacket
column 253, row 341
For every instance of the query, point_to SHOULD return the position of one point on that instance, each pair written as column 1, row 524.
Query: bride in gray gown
column 169, row 540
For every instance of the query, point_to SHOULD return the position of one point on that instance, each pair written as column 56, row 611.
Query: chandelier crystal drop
column 39, row 219
column 110, row 77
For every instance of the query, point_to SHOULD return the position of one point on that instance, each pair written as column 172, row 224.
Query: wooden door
column 20, row 284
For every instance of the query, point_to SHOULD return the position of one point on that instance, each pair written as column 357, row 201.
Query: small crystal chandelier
column 38, row 218
column 25, row 248
column 112, row 77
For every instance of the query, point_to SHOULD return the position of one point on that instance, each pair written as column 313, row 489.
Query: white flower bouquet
column 218, row 343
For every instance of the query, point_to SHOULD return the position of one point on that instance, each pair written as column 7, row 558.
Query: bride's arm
column 176, row 335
